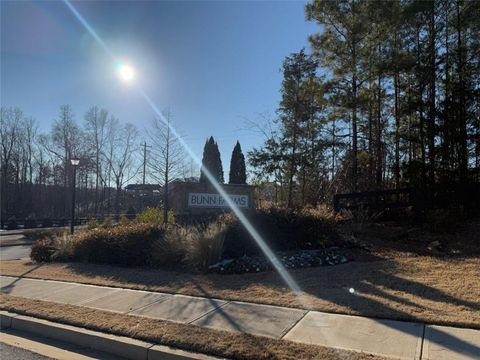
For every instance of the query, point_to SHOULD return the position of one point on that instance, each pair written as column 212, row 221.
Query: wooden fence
column 439, row 196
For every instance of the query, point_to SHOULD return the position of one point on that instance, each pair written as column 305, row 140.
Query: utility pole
column 144, row 170
column 144, row 160
column 165, row 186
column 74, row 163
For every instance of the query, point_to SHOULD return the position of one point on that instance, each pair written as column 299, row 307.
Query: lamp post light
column 75, row 163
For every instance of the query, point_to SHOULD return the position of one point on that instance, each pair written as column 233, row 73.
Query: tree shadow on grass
column 331, row 284
column 371, row 281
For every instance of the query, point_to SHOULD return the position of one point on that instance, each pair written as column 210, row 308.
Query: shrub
column 154, row 216
column 42, row 250
column 443, row 220
column 282, row 230
column 123, row 245
column 198, row 246
column 107, row 222
column 170, row 248
column 150, row 216
column 320, row 213
column 124, row 220
column 92, row 224
column 64, row 247
column 170, row 217
column 204, row 246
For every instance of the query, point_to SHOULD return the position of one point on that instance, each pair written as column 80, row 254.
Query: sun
column 125, row 72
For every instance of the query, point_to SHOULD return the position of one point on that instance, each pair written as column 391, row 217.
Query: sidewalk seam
column 422, row 342
column 93, row 298
column 144, row 306
column 286, row 331
column 209, row 312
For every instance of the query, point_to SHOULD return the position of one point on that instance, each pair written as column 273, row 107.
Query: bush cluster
column 122, row 245
column 444, row 220
column 282, row 229
column 43, row 250
column 154, row 216
column 196, row 245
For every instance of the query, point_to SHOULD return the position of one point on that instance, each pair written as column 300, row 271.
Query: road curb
column 112, row 344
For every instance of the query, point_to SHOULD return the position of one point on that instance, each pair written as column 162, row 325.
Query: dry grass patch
column 432, row 290
column 182, row 336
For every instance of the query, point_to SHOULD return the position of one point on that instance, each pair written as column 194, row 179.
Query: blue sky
column 214, row 64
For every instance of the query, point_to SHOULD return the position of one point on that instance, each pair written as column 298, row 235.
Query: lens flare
column 285, row 275
column 125, row 72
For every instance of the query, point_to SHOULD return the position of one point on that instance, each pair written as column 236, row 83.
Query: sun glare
column 125, row 72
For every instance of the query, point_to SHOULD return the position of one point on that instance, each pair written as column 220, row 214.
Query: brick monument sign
column 197, row 198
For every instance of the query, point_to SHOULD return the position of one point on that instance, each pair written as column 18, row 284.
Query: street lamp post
column 74, row 163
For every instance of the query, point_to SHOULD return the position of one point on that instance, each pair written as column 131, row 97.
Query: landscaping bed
column 299, row 237
column 381, row 270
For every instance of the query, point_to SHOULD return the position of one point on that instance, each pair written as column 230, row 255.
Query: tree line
column 37, row 175
column 388, row 97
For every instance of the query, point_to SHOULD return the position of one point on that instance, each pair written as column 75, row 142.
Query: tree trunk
column 462, row 121
column 432, row 88
column 397, row 117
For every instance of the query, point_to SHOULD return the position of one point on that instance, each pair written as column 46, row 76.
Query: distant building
column 141, row 190
column 194, row 179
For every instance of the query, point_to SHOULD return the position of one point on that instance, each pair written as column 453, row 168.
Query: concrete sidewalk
column 395, row 339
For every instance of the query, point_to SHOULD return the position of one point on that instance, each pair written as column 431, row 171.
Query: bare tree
column 10, row 122
column 167, row 155
column 64, row 143
column 96, row 128
column 121, row 157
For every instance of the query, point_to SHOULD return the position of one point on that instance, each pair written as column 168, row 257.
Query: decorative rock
column 300, row 259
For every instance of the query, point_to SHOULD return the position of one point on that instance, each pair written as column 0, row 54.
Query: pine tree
column 299, row 74
column 237, row 166
column 341, row 48
column 211, row 160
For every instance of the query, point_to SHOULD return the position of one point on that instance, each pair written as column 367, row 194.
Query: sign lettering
column 205, row 200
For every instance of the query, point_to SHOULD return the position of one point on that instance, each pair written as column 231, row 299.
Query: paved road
column 8, row 352
column 14, row 246
column 23, row 345
column 14, row 252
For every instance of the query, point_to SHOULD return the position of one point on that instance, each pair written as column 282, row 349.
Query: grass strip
column 181, row 336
